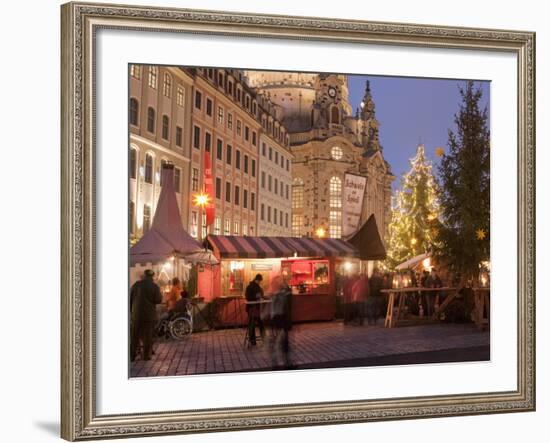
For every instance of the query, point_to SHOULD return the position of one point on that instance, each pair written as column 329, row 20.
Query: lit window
column 297, row 193
column 297, row 223
column 135, row 71
column 220, row 115
column 236, row 228
column 167, row 85
column 227, row 227
column 217, row 225
column 195, row 180
column 335, row 190
column 229, row 121
column 194, row 224
column 146, row 218
column 336, row 153
column 153, row 71
column 180, row 96
column 245, row 229
column 335, row 224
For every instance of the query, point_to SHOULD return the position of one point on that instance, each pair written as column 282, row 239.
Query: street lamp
column 320, row 232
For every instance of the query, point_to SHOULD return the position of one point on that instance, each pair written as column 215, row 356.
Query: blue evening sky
column 411, row 110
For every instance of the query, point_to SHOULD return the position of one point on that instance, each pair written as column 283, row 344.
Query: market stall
column 307, row 265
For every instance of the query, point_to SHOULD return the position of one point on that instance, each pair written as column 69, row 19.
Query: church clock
column 332, row 92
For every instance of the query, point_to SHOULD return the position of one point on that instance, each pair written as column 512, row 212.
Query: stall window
column 236, row 276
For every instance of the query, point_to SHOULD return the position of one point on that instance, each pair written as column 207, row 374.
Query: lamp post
column 201, row 200
column 320, row 232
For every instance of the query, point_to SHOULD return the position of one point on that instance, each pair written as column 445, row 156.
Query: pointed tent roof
column 166, row 237
column 367, row 240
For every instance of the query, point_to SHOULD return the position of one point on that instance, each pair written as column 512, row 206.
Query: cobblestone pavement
column 311, row 343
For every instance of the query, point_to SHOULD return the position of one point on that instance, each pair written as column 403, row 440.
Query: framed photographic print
column 257, row 206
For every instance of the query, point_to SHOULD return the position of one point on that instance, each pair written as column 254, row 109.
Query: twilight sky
column 411, row 110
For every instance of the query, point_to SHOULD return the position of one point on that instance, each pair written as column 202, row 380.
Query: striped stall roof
column 226, row 246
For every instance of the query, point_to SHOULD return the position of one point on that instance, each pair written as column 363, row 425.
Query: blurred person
column 281, row 317
column 254, row 293
column 144, row 296
column 349, row 312
column 360, row 292
column 432, row 281
column 375, row 301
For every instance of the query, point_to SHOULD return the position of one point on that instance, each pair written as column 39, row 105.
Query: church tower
column 369, row 125
column 331, row 106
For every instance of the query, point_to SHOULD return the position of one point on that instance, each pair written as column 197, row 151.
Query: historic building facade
column 159, row 122
column 328, row 141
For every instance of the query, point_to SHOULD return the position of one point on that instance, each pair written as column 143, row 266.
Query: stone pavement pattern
column 224, row 351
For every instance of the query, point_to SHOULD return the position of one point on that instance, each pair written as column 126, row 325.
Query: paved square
column 315, row 345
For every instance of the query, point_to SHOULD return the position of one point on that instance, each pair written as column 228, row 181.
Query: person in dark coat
column 281, row 317
column 360, row 292
column 254, row 292
column 349, row 307
column 375, row 300
column 144, row 297
column 432, row 281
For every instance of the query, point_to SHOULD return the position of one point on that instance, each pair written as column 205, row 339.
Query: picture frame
column 80, row 24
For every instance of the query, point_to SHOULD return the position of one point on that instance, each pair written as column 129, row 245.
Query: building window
column 269, row 183
column 177, row 180
column 253, row 168
column 245, row 198
column 252, row 203
column 228, row 154
column 237, row 159
column 254, row 138
column 239, row 127
column 269, row 214
column 270, row 153
column 335, row 224
column 165, row 127
column 297, row 223
column 167, row 85
column 135, row 71
column 209, row 107
column 220, row 115
column 219, row 150
column 148, row 168
column 263, row 149
column 151, row 120
column 246, row 164
column 262, row 212
column 263, row 179
column 203, row 225
column 195, row 179
column 218, row 188
column 217, row 225
column 146, row 218
column 227, row 227
column 287, row 164
column 229, row 121
column 230, row 87
column 235, row 228
column 207, row 141
column 276, row 187
column 335, row 191
column 153, row 70
column 281, row 191
column 297, row 193
column 162, row 163
column 196, row 137
column 133, row 163
column 179, row 136
column 336, row 153
column 275, row 215
column 180, row 96
column 335, row 115
column 134, row 111
column 245, row 229
column 276, row 157
column 198, row 99
column 237, row 197
column 194, row 224
column 287, row 194
column 228, row 192
column 282, row 161
column 286, row 219
column 131, row 215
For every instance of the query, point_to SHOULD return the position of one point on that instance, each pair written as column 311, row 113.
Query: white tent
column 412, row 262
column 166, row 238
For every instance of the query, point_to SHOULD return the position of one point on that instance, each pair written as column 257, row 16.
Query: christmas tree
column 463, row 236
column 415, row 211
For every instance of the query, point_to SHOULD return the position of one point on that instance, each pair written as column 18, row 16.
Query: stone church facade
column 327, row 141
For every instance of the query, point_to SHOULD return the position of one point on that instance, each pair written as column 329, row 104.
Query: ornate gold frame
column 79, row 420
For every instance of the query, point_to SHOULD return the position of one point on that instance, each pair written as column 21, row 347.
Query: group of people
column 145, row 295
column 362, row 298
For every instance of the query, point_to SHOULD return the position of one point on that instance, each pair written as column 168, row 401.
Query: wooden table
column 401, row 293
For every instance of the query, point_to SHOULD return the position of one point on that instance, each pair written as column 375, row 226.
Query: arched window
column 167, row 85
column 151, row 120
column 134, row 111
column 335, row 115
column 133, row 163
column 165, row 127
column 335, row 213
column 336, row 153
column 153, row 71
column 297, row 193
column 148, row 168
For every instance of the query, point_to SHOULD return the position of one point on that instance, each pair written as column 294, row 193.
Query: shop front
column 309, row 266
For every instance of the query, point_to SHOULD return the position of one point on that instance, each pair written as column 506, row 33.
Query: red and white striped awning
column 225, row 246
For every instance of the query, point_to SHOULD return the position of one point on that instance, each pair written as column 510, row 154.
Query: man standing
column 144, row 296
column 360, row 292
column 254, row 293
column 374, row 302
